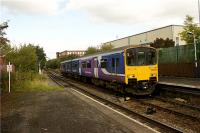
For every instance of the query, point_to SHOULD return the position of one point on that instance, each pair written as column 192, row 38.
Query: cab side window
column 131, row 57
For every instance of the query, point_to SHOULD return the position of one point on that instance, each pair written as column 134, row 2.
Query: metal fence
column 179, row 61
column 179, row 54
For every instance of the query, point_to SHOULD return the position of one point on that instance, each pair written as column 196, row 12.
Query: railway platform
column 180, row 82
column 62, row 111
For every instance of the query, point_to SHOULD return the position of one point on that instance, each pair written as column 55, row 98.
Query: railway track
column 190, row 106
column 160, row 126
column 171, row 109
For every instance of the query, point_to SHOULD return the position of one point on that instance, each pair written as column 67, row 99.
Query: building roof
column 72, row 51
column 143, row 32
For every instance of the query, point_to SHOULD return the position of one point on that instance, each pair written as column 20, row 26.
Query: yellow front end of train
column 141, row 70
column 141, row 73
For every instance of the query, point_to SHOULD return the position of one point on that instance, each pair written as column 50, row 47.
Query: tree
column 53, row 64
column 24, row 58
column 91, row 50
column 190, row 27
column 3, row 40
column 68, row 57
column 162, row 43
column 106, row 47
column 41, row 56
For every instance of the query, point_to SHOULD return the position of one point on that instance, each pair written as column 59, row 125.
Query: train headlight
column 131, row 76
column 153, row 75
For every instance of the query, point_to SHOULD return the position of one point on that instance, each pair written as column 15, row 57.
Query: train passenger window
column 75, row 64
column 141, row 58
column 113, row 62
column 103, row 63
column 117, row 62
column 88, row 64
column 83, row 64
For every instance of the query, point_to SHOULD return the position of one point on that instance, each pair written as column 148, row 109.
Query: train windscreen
column 140, row 56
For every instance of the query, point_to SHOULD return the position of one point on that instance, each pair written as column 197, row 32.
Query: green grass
column 35, row 83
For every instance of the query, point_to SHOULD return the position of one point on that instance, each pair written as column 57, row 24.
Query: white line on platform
column 117, row 112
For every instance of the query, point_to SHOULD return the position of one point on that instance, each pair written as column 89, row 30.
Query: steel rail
column 194, row 107
column 168, row 110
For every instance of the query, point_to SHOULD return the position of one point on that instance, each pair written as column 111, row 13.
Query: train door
column 115, row 64
column 96, row 67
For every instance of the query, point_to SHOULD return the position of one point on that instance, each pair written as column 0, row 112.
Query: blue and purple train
column 131, row 69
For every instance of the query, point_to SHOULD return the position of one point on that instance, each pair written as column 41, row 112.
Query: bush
column 28, row 81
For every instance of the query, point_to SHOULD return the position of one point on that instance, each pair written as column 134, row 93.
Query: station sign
column 9, row 68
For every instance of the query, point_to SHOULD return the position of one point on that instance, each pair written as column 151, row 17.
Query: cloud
column 134, row 11
column 109, row 11
column 44, row 7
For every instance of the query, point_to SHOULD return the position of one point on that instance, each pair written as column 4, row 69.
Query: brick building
column 1, row 63
column 71, row 52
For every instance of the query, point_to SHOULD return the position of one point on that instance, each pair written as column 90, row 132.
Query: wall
column 176, row 34
column 119, row 43
column 171, row 32
column 150, row 36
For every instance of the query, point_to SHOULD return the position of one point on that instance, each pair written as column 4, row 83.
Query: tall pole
column 195, row 50
column 195, row 56
column 199, row 11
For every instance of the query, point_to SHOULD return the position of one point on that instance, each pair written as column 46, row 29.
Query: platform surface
column 63, row 111
column 176, row 81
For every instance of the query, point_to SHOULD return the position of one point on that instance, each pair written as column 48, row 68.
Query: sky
column 58, row 25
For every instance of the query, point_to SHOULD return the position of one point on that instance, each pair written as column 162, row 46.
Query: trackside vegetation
column 55, row 63
column 29, row 81
column 25, row 59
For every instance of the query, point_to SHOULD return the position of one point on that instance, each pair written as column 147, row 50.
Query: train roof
column 115, row 50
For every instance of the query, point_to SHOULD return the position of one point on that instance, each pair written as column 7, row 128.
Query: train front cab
column 141, row 70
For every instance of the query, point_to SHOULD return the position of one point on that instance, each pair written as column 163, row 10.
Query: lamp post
column 195, row 53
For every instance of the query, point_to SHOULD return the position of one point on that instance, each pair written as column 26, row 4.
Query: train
column 130, row 69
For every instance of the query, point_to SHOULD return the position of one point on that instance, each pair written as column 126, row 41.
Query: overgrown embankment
column 28, row 81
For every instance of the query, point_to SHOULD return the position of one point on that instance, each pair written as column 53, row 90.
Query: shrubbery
column 27, row 81
column 26, row 59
